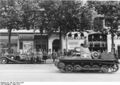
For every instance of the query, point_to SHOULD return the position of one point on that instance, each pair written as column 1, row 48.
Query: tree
column 86, row 18
column 111, row 11
column 9, row 17
column 60, row 16
column 29, row 13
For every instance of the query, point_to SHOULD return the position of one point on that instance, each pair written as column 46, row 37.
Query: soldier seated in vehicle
column 85, row 52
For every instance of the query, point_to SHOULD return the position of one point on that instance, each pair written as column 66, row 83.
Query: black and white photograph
column 59, row 41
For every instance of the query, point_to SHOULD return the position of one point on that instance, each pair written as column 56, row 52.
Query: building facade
column 25, row 40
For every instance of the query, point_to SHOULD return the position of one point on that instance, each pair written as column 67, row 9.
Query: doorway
column 56, row 45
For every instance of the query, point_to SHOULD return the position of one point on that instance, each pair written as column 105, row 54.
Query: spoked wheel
column 114, row 68
column 104, row 69
column 77, row 68
column 3, row 61
column 69, row 68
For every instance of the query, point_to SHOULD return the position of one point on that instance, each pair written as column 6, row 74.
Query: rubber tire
column 3, row 61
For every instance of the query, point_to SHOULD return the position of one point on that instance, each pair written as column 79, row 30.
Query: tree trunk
column 112, row 41
column 41, row 35
column 60, row 37
column 113, row 45
column 9, row 38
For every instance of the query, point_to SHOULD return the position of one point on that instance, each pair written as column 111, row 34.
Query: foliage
column 52, row 15
column 60, row 15
column 110, row 9
column 9, row 15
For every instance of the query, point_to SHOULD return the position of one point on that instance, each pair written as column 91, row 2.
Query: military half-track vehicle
column 86, row 61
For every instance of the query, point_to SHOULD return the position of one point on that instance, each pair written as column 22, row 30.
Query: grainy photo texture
column 59, row 40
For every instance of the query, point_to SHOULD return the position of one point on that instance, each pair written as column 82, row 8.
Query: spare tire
column 95, row 55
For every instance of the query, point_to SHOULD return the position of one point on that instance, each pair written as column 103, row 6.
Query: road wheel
column 104, row 69
column 61, row 65
column 3, row 61
column 77, row 68
column 87, row 67
column 95, row 67
column 68, row 68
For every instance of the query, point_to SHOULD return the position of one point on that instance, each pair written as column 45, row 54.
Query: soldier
column 49, row 54
column 33, row 58
column 65, row 52
column 40, row 55
column 85, row 50
column 54, row 55
column 45, row 55
column 59, row 54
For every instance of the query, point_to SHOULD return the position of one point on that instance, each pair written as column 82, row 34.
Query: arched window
column 76, row 35
column 70, row 35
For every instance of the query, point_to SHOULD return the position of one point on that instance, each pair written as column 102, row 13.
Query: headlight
column 12, row 57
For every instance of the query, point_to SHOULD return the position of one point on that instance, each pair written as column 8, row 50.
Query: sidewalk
column 49, row 61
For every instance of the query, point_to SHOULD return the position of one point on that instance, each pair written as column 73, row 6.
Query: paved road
column 48, row 72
